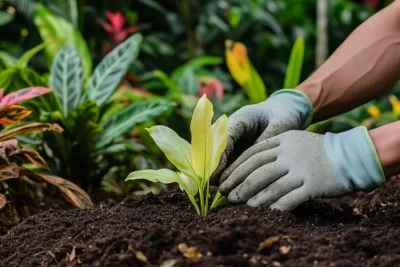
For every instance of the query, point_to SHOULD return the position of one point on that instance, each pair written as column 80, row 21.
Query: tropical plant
column 196, row 161
column 91, row 122
column 17, row 178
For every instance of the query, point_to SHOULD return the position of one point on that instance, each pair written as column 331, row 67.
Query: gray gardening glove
column 284, row 110
column 289, row 169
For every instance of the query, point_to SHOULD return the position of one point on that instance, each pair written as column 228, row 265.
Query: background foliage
column 236, row 52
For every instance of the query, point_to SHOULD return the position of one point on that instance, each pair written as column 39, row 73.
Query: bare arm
column 364, row 66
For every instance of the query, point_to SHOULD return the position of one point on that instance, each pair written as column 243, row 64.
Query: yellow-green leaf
column 202, row 138
column 236, row 60
column 189, row 184
column 220, row 133
column 175, row 148
column 164, row 176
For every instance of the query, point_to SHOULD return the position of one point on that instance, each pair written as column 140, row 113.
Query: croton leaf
column 30, row 155
column 12, row 114
column 9, row 147
column 33, row 127
column 112, row 68
column 23, row 94
column 9, row 171
column 71, row 192
column 3, row 201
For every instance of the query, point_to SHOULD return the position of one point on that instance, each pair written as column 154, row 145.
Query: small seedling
column 195, row 162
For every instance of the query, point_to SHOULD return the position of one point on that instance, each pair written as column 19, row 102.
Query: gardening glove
column 284, row 110
column 286, row 170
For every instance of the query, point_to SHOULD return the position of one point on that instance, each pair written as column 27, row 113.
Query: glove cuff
column 355, row 158
column 298, row 101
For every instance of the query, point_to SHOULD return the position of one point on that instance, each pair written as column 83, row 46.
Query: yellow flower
column 237, row 61
column 373, row 111
column 395, row 104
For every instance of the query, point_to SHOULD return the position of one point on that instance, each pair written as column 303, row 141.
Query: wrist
column 355, row 159
column 298, row 102
column 387, row 143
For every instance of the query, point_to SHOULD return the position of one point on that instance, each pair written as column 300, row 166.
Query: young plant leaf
column 65, row 78
column 12, row 114
column 129, row 117
column 220, row 133
column 33, row 127
column 202, row 137
column 293, row 72
column 166, row 176
column 175, row 148
column 112, row 68
column 23, row 94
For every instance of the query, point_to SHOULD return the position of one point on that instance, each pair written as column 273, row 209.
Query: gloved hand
column 286, row 170
column 284, row 110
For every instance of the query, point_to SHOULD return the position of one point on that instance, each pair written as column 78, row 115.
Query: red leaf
column 117, row 19
column 211, row 87
column 105, row 25
column 23, row 94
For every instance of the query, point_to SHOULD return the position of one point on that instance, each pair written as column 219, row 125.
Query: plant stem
column 201, row 193
column 194, row 204
column 206, row 197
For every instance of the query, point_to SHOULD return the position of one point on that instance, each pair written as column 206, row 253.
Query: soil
column 356, row 230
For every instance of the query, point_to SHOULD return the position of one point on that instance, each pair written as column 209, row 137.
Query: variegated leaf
column 71, row 192
column 33, row 127
column 112, row 68
column 65, row 78
column 13, row 114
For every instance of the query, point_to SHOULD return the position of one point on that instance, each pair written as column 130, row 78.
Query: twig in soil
column 54, row 257
column 37, row 254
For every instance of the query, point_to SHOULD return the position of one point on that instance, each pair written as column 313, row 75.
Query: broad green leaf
column 108, row 74
column 255, row 87
column 188, row 83
column 202, row 138
column 65, row 78
column 5, row 18
column 194, row 64
column 168, row 82
column 175, row 148
column 58, row 32
column 24, row 59
column 8, row 59
column 295, row 64
column 129, row 117
column 220, row 133
column 164, row 176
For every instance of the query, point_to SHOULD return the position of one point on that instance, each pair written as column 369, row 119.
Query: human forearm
column 387, row 142
column 365, row 65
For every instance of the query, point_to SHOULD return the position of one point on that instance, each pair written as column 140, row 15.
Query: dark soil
column 357, row 230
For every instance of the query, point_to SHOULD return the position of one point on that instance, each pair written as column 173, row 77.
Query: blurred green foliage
column 182, row 56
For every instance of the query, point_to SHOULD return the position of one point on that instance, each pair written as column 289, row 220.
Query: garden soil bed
column 357, row 230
